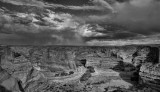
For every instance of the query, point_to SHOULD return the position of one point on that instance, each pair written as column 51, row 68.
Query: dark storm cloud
column 65, row 37
column 123, row 35
column 23, row 39
column 81, row 12
column 83, row 9
column 70, row 2
column 33, row 34
column 114, row 36
column 81, row 22
column 140, row 16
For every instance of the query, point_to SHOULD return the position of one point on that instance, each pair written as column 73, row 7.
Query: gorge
column 80, row 69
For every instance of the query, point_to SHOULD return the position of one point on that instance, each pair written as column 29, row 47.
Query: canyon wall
column 31, row 65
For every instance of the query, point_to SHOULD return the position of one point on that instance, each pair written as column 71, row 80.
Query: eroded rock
column 37, row 68
column 150, row 74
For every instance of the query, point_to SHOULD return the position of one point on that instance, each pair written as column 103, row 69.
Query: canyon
column 79, row 69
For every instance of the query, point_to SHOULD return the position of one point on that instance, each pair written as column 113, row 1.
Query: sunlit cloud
column 96, row 22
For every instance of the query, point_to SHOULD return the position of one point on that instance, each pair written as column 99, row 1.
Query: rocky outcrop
column 150, row 69
column 37, row 68
column 150, row 75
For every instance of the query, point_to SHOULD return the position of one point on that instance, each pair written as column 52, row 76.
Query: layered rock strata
column 150, row 75
column 35, row 68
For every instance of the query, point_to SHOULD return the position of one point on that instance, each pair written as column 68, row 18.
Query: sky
column 79, row 22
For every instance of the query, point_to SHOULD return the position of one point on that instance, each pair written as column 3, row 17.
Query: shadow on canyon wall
column 152, row 57
column 3, row 89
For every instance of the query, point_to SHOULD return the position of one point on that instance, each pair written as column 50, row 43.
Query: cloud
column 123, row 42
column 60, row 29
column 25, row 2
column 54, row 28
column 87, row 30
column 140, row 16
column 93, row 22
column 103, row 3
column 139, row 19
column 69, row 2
column 81, row 6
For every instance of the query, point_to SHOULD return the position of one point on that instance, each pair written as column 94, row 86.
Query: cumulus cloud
column 88, row 31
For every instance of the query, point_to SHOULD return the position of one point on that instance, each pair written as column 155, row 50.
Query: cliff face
column 102, row 68
column 150, row 74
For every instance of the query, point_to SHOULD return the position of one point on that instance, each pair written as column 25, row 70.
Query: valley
column 80, row 68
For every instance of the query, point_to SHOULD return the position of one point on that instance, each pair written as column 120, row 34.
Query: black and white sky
column 79, row 22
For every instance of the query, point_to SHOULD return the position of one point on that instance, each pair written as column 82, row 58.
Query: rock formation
column 40, row 68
